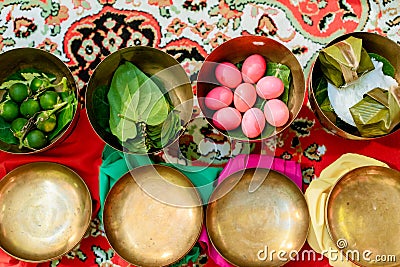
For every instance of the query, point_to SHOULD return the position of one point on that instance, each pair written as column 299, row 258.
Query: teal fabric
column 115, row 164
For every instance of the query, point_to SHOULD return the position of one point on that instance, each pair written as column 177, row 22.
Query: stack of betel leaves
column 137, row 110
column 34, row 109
column 358, row 89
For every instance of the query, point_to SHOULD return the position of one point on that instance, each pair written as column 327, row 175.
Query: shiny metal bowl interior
column 373, row 43
column 237, row 50
column 146, row 230
column 22, row 58
column 152, row 62
column 241, row 225
column 363, row 214
column 46, row 209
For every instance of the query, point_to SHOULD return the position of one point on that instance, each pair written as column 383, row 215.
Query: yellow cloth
column 317, row 194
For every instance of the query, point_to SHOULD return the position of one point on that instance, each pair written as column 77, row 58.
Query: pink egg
column 219, row 97
column 245, row 96
column 253, row 122
column 276, row 112
column 227, row 118
column 253, row 68
column 228, row 74
column 269, row 87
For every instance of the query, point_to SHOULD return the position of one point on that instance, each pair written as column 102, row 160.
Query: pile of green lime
column 34, row 109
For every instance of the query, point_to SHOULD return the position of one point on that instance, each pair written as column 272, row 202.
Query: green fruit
column 29, row 107
column 9, row 110
column 48, row 100
column 35, row 85
column 35, row 139
column 18, row 92
column 18, row 124
column 46, row 125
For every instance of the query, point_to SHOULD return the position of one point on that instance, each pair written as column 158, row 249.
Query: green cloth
column 115, row 164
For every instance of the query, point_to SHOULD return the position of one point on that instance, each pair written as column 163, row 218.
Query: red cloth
column 81, row 151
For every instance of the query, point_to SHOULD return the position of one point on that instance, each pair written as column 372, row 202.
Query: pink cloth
column 289, row 168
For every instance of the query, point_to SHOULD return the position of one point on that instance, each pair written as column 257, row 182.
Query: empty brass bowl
column 363, row 214
column 152, row 62
column 245, row 227
column 237, row 50
column 153, row 216
column 22, row 58
column 373, row 43
column 46, row 209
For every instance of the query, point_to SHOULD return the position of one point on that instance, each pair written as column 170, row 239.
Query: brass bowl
column 152, row 62
column 153, row 216
column 363, row 214
column 46, row 210
column 245, row 227
column 237, row 50
column 373, row 43
column 22, row 58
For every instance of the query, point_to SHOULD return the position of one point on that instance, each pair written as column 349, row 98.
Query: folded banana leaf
column 378, row 112
column 343, row 62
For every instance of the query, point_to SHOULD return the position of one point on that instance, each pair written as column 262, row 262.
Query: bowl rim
column 116, row 54
column 292, row 118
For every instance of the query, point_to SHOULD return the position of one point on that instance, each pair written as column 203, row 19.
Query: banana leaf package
column 343, row 62
column 378, row 112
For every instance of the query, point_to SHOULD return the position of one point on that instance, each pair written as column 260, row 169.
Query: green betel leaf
column 6, row 135
column 152, row 105
column 18, row 75
column 326, row 105
column 282, row 72
column 123, row 85
column 134, row 98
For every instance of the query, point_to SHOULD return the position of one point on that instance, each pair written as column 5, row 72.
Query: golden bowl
column 245, row 227
column 362, row 215
column 373, row 43
column 153, row 216
column 22, row 58
column 46, row 210
column 238, row 49
column 156, row 64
